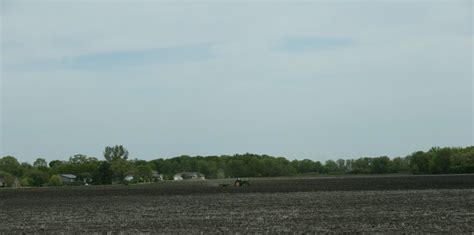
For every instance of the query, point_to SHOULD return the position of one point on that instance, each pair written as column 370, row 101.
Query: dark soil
column 339, row 204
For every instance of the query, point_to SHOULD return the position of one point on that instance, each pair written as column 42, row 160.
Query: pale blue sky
column 319, row 80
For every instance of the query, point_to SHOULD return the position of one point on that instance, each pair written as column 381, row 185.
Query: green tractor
column 237, row 183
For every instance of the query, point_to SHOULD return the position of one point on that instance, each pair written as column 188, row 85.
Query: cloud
column 314, row 44
column 118, row 60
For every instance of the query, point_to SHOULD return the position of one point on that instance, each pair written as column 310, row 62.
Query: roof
column 70, row 176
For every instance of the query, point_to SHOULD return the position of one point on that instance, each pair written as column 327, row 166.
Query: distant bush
column 55, row 180
column 38, row 177
column 25, row 182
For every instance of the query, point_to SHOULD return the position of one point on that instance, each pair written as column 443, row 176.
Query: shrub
column 55, row 180
column 38, row 178
column 25, row 182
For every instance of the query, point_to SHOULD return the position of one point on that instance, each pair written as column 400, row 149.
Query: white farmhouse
column 177, row 177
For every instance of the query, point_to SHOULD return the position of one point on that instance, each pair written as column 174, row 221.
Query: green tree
column 103, row 174
column 380, row 165
column 144, row 173
column 440, row 162
column 304, row 166
column 362, row 166
column 114, row 153
column 85, row 177
column 40, row 163
column 331, row 166
column 55, row 180
column 341, row 165
column 11, row 165
column 38, row 178
column 81, row 159
column 120, row 168
column 420, row 162
column 399, row 164
column 462, row 160
column 77, row 165
column 26, row 166
column 318, row 167
column 55, row 163
column 25, row 181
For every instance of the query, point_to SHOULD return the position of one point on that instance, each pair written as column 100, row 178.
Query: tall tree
column 120, row 168
column 55, row 163
column 81, row 159
column 40, row 163
column 117, row 152
column 420, row 162
column 103, row 174
column 331, row 166
column 11, row 165
column 37, row 178
column 380, row 165
column 440, row 163
column 341, row 165
column 144, row 173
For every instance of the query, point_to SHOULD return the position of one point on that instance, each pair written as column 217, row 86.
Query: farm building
column 68, row 178
column 189, row 176
column 129, row 177
column 4, row 182
column 177, row 177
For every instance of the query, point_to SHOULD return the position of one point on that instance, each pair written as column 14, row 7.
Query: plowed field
column 339, row 204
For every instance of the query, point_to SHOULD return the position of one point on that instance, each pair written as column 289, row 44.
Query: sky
column 301, row 79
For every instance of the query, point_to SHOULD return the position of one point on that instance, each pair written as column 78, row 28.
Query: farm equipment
column 237, row 183
column 240, row 182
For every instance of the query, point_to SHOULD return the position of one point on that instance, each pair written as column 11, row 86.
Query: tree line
column 116, row 165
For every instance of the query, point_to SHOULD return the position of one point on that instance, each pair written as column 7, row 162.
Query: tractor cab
column 238, row 182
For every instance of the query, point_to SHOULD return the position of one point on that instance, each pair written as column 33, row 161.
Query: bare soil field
column 329, row 204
